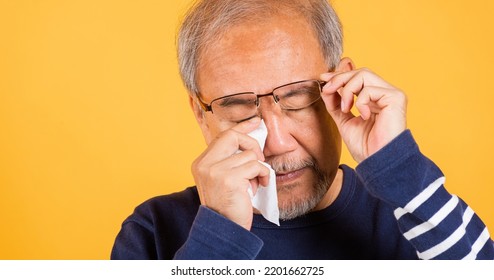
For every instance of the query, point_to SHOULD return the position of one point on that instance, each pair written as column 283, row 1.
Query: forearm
column 212, row 236
column 438, row 224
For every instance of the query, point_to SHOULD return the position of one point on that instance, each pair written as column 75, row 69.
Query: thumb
column 332, row 101
column 331, row 98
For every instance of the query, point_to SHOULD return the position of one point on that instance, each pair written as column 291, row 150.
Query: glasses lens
column 236, row 107
column 298, row 95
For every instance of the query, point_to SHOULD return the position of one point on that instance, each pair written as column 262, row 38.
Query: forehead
column 259, row 56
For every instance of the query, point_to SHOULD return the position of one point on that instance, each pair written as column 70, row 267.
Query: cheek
column 313, row 121
column 317, row 132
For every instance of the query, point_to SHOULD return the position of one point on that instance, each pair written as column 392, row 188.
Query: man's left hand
column 382, row 109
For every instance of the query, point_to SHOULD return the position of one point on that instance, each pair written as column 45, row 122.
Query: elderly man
column 280, row 62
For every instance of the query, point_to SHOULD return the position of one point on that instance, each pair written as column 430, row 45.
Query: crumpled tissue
column 266, row 198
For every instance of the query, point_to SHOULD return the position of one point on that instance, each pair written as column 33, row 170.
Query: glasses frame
column 208, row 107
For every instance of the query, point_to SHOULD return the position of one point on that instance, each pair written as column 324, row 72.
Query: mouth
column 289, row 176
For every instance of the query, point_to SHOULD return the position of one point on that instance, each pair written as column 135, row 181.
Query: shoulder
column 165, row 208
column 187, row 199
column 157, row 227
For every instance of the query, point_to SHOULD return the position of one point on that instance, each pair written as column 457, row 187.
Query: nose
column 280, row 139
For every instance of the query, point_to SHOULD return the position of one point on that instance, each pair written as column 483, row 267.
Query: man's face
column 303, row 146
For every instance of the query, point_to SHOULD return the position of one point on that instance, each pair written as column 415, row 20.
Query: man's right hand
column 223, row 175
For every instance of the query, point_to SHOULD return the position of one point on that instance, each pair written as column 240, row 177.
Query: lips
column 290, row 176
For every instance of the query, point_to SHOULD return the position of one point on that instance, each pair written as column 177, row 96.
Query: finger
column 237, row 160
column 360, row 76
column 336, row 83
column 372, row 100
column 352, row 82
column 219, row 172
column 332, row 100
column 249, row 171
column 254, row 183
column 230, row 142
column 330, row 94
column 254, row 169
column 245, row 128
column 258, row 182
column 264, row 180
column 327, row 76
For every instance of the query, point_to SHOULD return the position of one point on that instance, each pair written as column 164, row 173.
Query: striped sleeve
column 438, row 224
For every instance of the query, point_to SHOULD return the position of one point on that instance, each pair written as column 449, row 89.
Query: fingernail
column 342, row 105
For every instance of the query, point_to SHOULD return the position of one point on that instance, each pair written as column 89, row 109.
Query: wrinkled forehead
column 223, row 18
column 257, row 56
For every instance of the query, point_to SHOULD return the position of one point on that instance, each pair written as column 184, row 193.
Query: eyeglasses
column 242, row 106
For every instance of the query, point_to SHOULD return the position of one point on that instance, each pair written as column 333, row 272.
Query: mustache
column 286, row 165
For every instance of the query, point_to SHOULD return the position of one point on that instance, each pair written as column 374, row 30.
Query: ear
column 200, row 118
column 345, row 65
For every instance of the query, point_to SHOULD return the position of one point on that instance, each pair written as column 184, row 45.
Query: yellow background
column 94, row 119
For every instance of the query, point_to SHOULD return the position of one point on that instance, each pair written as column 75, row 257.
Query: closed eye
column 246, row 119
column 233, row 101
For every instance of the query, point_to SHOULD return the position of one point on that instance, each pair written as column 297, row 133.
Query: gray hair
column 208, row 19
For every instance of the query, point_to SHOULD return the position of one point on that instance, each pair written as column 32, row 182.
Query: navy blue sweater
column 393, row 206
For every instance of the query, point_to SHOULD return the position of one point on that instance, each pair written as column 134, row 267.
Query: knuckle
column 402, row 97
column 229, row 133
column 220, row 138
column 360, row 101
column 213, row 172
column 197, row 167
column 226, row 181
column 264, row 169
column 249, row 155
column 194, row 166
column 365, row 70
column 203, row 170
column 252, row 164
column 196, row 163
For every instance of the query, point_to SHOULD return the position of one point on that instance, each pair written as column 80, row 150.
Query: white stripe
column 478, row 245
column 451, row 240
column 420, row 198
column 399, row 212
column 434, row 220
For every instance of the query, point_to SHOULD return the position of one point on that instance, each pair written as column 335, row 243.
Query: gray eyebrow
column 232, row 100
column 296, row 91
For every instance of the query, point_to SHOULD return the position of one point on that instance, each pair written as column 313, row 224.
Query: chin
column 296, row 200
column 301, row 190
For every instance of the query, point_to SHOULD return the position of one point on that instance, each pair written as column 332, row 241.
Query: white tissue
column 266, row 198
